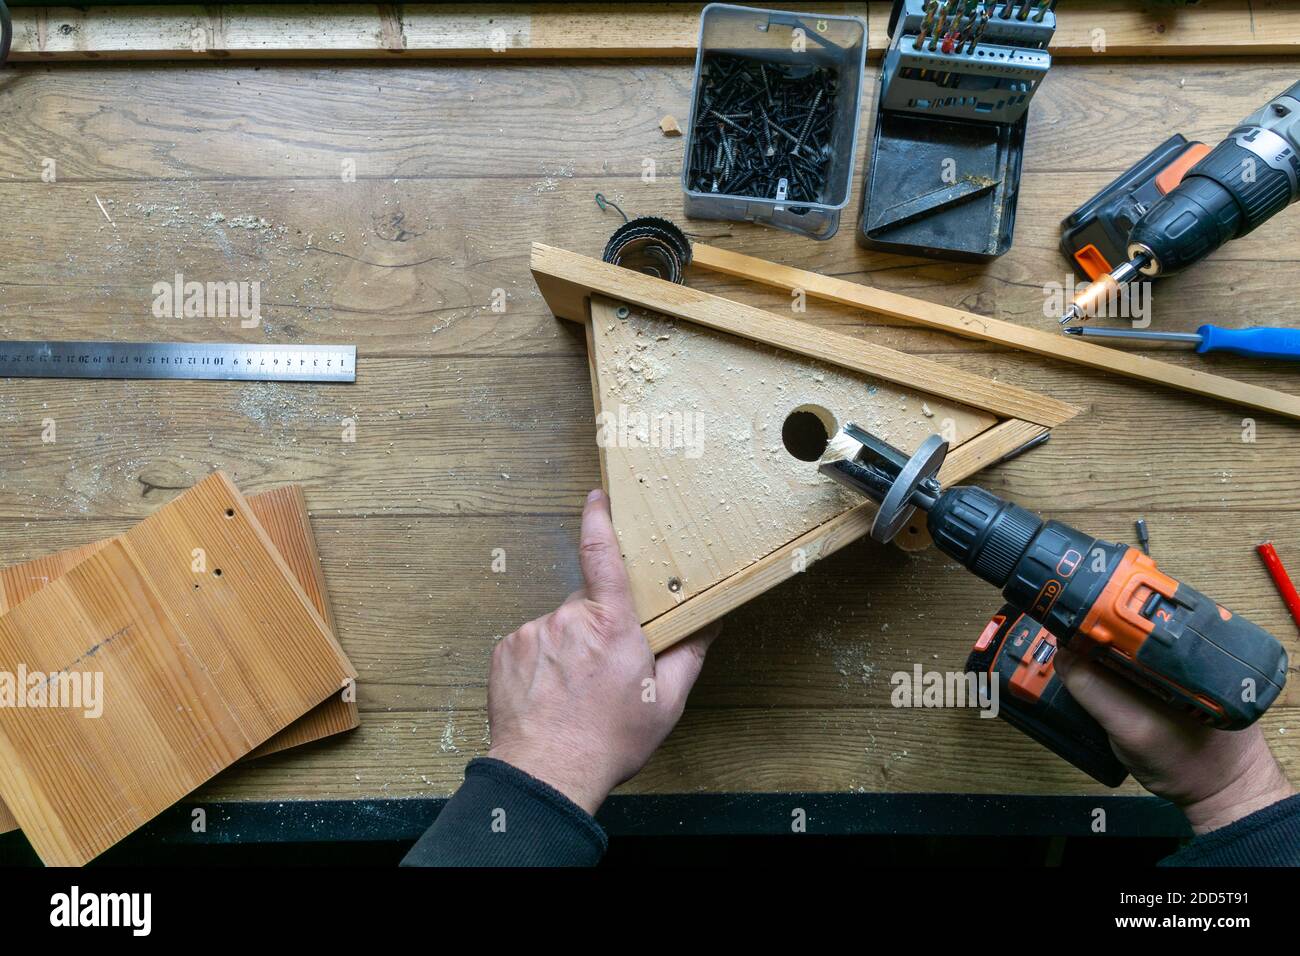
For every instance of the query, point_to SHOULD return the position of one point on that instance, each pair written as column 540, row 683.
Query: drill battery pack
column 1095, row 236
column 1018, row 653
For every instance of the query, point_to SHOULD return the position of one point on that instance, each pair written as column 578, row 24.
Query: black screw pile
column 761, row 127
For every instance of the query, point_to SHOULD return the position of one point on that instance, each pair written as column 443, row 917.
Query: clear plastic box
column 768, row 36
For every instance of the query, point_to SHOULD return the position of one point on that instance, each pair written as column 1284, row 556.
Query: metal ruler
column 179, row 360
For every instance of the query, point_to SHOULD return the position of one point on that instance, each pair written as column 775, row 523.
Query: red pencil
column 1281, row 579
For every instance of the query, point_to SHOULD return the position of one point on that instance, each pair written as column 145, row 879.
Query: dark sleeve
column 1268, row 837
column 501, row 816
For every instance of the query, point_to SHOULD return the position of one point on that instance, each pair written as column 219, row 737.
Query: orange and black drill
column 1184, row 200
column 1106, row 601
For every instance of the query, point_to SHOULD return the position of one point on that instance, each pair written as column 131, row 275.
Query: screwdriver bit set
column 968, row 60
column 955, row 86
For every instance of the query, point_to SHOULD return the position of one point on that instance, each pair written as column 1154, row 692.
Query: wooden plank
column 18, row 582
column 799, row 554
column 232, row 156
column 970, row 325
column 435, row 654
column 423, row 648
column 498, row 436
column 1105, row 28
column 206, row 647
column 822, row 642
column 282, row 512
column 700, row 478
column 597, row 407
column 566, row 279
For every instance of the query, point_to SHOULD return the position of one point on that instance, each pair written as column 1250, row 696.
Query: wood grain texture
column 1085, row 29
column 282, row 512
column 200, row 663
column 988, row 329
column 18, row 582
column 454, row 396
column 750, row 748
column 797, row 556
column 690, row 427
column 567, row 280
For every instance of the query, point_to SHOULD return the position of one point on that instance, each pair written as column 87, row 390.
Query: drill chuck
column 1244, row 181
column 1031, row 561
column 1163, row 219
column 986, row 534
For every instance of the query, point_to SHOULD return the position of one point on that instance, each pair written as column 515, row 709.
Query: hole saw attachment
column 899, row 484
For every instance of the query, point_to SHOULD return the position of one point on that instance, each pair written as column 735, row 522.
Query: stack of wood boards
column 209, row 633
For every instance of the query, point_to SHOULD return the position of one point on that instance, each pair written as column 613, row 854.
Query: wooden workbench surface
column 474, row 427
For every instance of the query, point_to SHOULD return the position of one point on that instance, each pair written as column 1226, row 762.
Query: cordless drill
column 1106, row 601
column 1183, row 201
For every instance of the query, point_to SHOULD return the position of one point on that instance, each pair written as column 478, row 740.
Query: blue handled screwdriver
column 1258, row 342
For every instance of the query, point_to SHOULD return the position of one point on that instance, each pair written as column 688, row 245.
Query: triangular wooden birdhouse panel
column 711, row 415
column 701, row 432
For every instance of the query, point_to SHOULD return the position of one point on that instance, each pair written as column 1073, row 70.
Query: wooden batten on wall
column 1086, row 30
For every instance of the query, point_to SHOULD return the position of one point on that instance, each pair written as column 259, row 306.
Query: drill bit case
column 944, row 173
column 794, row 51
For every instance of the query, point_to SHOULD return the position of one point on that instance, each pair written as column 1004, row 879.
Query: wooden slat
column 823, row 642
column 749, row 747
column 567, row 279
column 422, row 649
column 18, row 582
column 499, row 436
column 283, row 514
column 200, row 664
column 987, row 329
column 232, row 155
column 582, row 30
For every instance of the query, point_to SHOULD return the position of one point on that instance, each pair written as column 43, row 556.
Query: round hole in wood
column 230, row 512
column 807, row 431
column 217, row 572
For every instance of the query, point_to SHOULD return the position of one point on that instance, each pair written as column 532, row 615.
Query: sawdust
column 839, row 448
column 297, row 282
column 447, row 742
column 552, row 174
column 248, row 222
column 278, row 405
column 745, row 494
column 763, row 386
